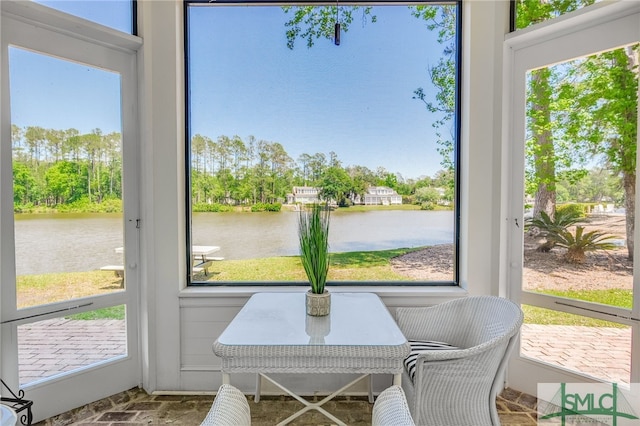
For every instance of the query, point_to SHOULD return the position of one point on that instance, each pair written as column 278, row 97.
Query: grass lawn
column 49, row 288
column 613, row 297
column 363, row 208
column 356, row 266
column 352, row 266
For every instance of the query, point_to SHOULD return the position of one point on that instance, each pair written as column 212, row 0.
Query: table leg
column 226, row 379
column 314, row 405
column 397, row 379
column 370, row 388
column 256, row 397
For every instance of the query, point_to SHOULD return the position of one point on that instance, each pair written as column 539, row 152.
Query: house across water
column 375, row 195
column 303, row 195
column 382, row 195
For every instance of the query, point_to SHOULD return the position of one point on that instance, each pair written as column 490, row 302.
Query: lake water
column 84, row 242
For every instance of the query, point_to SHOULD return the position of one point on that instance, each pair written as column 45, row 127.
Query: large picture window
column 352, row 107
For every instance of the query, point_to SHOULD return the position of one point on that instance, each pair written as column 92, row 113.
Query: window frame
column 457, row 159
column 133, row 24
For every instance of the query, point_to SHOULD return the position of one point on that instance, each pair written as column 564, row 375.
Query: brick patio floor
column 55, row 346
column 135, row 408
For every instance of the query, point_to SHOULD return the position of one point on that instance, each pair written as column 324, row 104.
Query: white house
column 303, row 195
column 377, row 195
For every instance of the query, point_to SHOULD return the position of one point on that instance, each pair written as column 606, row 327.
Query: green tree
column 65, row 182
column 17, row 143
column 335, row 185
column 442, row 19
column 361, row 179
column 24, row 184
column 391, row 181
column 198, row 153
column 281, row 171
column 35, row 138
column 540, row 143
column 92, row 146
column 609, row 87
column 317, row 165
column 427, row 195
column 310, row 23
column 55, row 141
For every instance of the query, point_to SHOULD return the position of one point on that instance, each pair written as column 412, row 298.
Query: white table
column 196, row 251
column 199, row 256
column 273, row 334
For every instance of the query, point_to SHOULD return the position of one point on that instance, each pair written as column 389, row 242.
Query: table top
column 203, row 250
column 280, row 319
column 195, row 250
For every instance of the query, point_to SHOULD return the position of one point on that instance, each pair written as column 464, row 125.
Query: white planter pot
column 318, row 305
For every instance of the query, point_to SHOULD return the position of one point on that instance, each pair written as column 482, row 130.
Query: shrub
column 581, row 242
column 427, row 195
column 345, row 202
column 266, row 207
column 211, row 208
column 112, row 205
column 563, row 219
column 427, row 205
column 579, row 210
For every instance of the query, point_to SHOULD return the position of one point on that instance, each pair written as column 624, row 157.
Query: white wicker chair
column 230, row 407
column 391, row 409
column 459, row 386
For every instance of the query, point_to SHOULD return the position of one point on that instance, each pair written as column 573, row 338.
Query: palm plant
column 313, row 233
column 581, row 242
column 547, row 226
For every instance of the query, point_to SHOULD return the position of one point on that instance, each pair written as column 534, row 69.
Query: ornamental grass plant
column 313, row 233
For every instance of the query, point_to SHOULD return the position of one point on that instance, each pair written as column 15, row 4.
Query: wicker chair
column 458, row 385
column 391, row 408
column 230, row 407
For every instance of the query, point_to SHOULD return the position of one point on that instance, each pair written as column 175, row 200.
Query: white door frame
column 32, row 26
column 591, row 30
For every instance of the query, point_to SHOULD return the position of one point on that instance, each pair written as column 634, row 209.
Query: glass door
column 69, row 314
column 573, row 197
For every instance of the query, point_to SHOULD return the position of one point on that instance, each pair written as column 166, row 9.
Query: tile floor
column 135, row 408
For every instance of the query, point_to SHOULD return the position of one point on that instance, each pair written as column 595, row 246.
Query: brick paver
column 55, row 346
column 603, row 352
column 50, row 347
column 135, row 408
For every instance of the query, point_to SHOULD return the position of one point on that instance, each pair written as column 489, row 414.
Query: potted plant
column 313, row 233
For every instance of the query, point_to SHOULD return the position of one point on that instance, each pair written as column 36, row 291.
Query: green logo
column 583, row 403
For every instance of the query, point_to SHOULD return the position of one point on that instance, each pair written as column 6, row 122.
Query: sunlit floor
column 135, row 407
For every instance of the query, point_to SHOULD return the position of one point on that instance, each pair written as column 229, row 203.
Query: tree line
column 235, row 171
column 55, row 168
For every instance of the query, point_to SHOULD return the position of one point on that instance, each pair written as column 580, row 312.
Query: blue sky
column 354, row 99
column 112, row 13
column 57, row 94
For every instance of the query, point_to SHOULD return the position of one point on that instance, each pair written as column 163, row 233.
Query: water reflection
column 256, row 235
column 85, row 242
